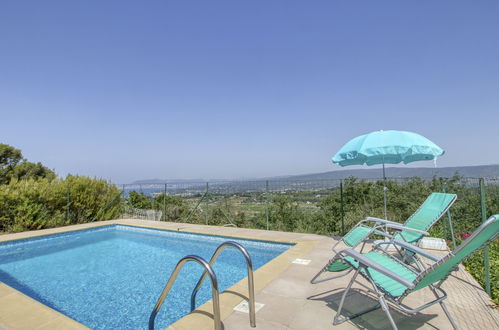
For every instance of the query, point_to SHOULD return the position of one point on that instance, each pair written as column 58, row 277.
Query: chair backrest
column 488, row 231
column 356, row 235
column 433, row 208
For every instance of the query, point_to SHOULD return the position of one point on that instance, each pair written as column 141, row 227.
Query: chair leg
column 451, row 320
column 446, row 311
column 338, row 319
column 386, row 309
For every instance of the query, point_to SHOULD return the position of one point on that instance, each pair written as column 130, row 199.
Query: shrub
column 42, row 203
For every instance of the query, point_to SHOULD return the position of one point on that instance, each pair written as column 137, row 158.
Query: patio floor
column 290, row 301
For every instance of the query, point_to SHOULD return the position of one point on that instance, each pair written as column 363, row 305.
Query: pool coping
column 26, row 312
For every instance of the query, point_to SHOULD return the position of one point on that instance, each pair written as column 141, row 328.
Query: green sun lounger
column 394, row 280
column 416, row 226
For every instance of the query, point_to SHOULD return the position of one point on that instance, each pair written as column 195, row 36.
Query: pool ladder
column 208, row 270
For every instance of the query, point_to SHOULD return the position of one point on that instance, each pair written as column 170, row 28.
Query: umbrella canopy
column 387, row 147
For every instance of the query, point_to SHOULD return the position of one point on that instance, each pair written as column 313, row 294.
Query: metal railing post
column 197, row 205
column 442, row 223
column 267, row 202
column 206, row 205
column 341, row 209
column 153, row 204
column 449, row 218
column 164, row 203
column 486, row 263
column 68, row 203
column 122, row 209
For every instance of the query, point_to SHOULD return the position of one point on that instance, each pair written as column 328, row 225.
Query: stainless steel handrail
column 173, row 277
column 251, row 287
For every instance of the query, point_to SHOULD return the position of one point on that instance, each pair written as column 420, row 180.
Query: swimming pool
column 110, row 277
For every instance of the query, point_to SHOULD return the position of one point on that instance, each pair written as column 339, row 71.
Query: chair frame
column 418, row 268
column 382, row 298
column 379, row 227
column 379, row 224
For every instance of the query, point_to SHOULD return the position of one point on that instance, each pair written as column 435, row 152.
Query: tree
column 9, row 158
column 14, row 166
column 26, row 170
column 140, row 200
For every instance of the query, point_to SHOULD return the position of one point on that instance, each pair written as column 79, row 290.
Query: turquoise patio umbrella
column 387, row 147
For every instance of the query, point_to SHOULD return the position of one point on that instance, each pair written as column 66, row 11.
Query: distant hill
column 162, row 181
column 175, row 181
column 311, row 182
column 479, row 171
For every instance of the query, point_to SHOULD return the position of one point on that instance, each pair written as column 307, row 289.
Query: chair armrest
column 379, row 220
column 383, row 270
column 401, row 227
column 382, row 233
column 412, row 248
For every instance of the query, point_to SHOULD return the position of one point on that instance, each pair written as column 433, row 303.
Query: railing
column 251, row 289
column 173, row 277
column 208, row 270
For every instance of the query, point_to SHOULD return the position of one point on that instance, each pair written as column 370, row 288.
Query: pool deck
column 290, row 301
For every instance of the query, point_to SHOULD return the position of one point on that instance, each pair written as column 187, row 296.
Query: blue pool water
column 110, row 277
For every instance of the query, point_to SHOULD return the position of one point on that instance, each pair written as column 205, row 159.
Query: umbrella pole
column 384, row 190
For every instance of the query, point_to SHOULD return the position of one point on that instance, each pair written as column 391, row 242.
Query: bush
column 42, row 203
column 284, row 214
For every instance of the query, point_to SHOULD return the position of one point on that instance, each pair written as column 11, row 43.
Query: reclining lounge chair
column 394, row 280
column 416, row 226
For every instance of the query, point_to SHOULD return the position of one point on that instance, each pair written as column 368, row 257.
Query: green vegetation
column 31, row 197
column 41, row 203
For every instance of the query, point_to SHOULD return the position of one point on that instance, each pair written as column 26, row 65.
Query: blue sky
column 127, row 90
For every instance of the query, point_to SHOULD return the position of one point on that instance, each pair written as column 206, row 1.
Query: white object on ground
column 433, row 243
column 302, row 261
column 243, row 307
